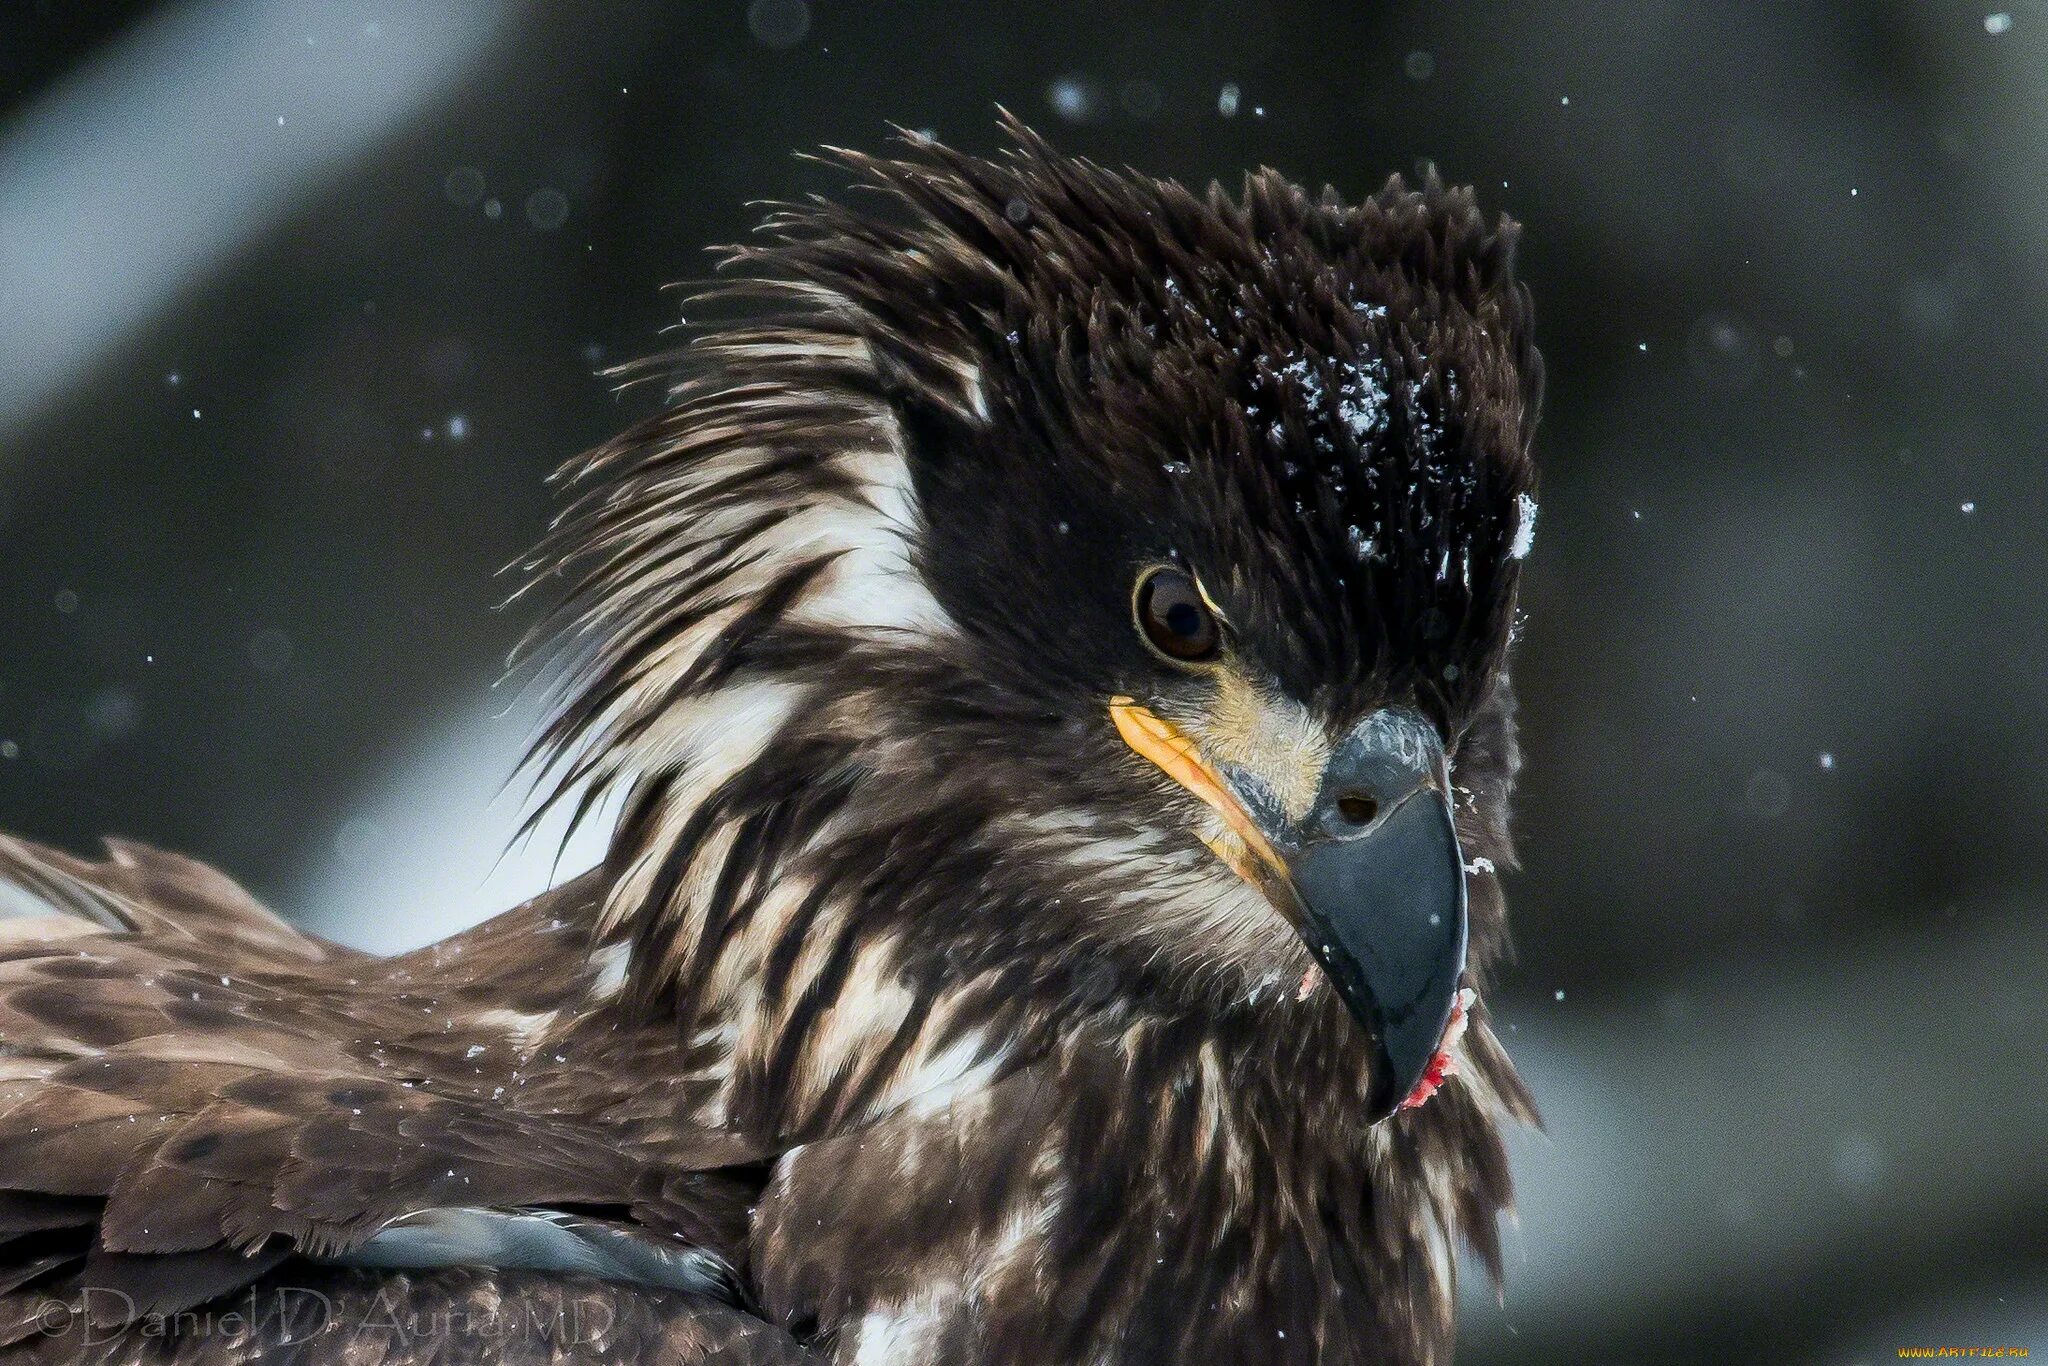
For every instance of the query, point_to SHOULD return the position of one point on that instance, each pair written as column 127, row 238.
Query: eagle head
column 1056, row 579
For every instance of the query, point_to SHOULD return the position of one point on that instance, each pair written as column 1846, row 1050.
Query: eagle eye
column 1175, row 618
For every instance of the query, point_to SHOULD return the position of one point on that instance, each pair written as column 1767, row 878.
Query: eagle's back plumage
column 885, row 1033
column 192, row 1092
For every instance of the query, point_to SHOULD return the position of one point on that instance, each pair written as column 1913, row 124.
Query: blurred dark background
column 300, row 299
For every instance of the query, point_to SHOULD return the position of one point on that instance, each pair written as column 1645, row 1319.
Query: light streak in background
column 142, row 174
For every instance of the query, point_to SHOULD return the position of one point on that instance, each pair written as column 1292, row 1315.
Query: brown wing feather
column 192, row 1090
column 153, row 892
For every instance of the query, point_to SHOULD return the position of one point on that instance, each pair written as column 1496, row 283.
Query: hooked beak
column 1371, row 876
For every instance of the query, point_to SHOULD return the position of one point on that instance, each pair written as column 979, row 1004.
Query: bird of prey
column 1052, row 649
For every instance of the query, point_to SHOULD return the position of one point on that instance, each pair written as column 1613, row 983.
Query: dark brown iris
column 1174, row 617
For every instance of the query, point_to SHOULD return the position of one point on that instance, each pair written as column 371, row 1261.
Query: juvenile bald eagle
column 1054, row 651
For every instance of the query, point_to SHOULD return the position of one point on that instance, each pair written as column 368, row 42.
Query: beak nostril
column 1357, row 808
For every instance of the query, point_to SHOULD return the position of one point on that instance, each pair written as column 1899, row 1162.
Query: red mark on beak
column 1444, row 1065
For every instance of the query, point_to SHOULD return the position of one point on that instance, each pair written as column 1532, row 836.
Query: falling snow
column 1074, row 98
